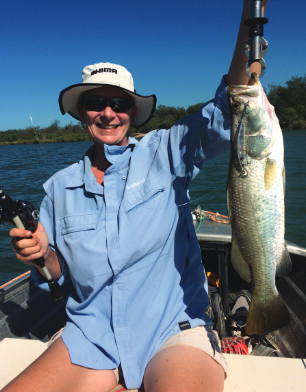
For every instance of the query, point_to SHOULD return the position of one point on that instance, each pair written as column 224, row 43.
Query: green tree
column 194, row 108
column 290, row 102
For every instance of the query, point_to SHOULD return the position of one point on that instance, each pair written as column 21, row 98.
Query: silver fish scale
column 256, row 204
column 257, row 218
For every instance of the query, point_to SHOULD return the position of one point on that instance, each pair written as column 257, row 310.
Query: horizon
column 176, row 51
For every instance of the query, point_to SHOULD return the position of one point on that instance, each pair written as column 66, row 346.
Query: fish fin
column 238, row 262
column 284, row 266
column 270, row 173
column 268, row 317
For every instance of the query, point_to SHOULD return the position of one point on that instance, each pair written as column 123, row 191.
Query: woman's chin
column 111, row 139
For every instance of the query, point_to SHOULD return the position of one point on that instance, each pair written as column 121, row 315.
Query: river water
column 24, row 168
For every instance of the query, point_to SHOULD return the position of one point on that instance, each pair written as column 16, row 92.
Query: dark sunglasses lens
column 120, row 105
column 95, row 105
column 117, row 104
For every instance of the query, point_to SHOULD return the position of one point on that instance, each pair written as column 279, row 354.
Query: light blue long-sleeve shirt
column 130, row 246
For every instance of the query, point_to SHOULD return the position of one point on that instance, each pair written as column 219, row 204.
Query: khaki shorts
column 201, row 337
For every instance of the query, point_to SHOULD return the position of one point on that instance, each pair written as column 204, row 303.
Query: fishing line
column 209, row 193
column 184, row 204
column 200, row 198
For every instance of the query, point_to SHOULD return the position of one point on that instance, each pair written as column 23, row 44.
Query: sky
column 178, row 50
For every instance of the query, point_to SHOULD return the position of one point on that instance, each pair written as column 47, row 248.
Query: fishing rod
column 24, row 215
column 256, row 47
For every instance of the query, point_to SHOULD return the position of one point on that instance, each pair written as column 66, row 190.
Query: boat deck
column 29, row 317
column 247, row 373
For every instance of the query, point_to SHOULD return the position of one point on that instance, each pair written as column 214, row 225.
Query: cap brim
column 70, row 96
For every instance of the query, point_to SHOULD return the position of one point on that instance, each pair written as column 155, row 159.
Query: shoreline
column 136, row 135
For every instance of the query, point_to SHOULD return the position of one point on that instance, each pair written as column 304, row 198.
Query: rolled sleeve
column 42, row 282
column 201, row 136
column 213, row 138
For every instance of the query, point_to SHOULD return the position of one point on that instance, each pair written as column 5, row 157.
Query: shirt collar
column 116, row 154
column 82, row 174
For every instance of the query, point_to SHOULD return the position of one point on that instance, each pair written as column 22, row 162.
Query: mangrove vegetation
column 289, row 102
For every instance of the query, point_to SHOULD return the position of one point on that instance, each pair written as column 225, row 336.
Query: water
column 24, row 168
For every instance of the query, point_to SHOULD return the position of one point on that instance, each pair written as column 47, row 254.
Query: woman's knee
column 53, row 371
column 183, row 368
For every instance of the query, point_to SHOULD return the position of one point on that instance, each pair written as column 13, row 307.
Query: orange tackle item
column 213, row 279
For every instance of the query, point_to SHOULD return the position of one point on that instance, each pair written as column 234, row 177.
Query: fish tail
column 284, row 265
column 266, row 317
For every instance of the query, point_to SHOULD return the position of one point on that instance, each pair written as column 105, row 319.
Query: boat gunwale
column 218, row 232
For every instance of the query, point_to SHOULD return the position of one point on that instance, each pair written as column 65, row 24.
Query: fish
column 255, row 200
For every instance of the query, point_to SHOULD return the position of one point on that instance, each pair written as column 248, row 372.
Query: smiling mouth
column 101, row 126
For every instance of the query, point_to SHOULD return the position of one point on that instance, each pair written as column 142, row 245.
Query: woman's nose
column 108, row 112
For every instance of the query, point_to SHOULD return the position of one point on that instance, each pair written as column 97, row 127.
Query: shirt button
column 123, row 177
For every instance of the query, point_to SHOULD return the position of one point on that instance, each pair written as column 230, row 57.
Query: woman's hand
column 28, row 249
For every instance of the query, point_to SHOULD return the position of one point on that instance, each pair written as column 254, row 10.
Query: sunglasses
column 98, row 104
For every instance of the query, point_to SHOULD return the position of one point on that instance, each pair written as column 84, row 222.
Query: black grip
column 256, row 26
column 8, row 205
column 56, row 290
column 40, row 262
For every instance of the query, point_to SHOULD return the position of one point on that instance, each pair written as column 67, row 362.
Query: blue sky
column 178, row 50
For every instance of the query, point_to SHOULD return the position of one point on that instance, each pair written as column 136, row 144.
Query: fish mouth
column 254, row 81
column 246, row 92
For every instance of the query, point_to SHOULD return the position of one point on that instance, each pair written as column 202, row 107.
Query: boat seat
column 247, row 373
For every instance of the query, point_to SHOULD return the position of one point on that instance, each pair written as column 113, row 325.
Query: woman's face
column 107, row 126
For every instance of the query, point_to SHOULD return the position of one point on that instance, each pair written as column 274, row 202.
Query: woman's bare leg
column 54, row 372
column 183, row 369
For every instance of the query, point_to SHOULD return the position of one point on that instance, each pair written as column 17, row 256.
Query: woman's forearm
column 52, row 264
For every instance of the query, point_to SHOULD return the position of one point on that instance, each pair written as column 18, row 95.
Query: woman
column 119, row 224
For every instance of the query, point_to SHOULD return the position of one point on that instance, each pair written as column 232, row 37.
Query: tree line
column 164, row 117
column 289, row 102
column 52, row 134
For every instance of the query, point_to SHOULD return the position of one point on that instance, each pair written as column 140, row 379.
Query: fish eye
column 236, row 105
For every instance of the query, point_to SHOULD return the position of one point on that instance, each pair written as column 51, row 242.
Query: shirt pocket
column 76, row 223
column 150, row 196
column 82, row 243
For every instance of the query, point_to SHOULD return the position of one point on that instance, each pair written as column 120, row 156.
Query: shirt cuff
column 42, row 282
